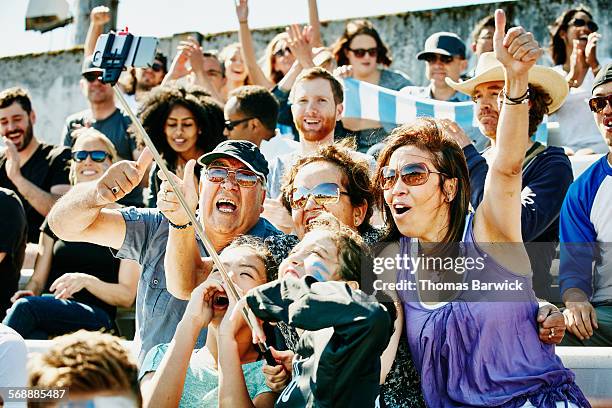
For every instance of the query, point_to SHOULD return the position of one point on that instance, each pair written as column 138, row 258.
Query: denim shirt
column 157, row 311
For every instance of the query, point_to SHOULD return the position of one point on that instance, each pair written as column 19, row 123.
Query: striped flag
column 367, row 101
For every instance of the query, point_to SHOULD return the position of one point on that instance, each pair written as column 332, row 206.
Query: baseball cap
column 88, row 66
column 443, row 43
column 243, row 150
column 603, row 76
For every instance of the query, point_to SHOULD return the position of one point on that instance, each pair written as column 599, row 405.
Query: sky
column 161, row 18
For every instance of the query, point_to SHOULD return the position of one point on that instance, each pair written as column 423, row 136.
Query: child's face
column 315, row 255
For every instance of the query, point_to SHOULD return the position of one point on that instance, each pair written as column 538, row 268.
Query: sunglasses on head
column 445, row 59
column 231, row 124
column 598, row 103
column 361, row 52
column 92, row 76
column 282, row 52
column 413, row 174
column 243, row 177
column 96, row 155
column 157, row 67
column 322, row 194
column 580, row 22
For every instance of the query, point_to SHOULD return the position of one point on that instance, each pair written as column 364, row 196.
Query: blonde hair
column 85, row 363
column 90, row 133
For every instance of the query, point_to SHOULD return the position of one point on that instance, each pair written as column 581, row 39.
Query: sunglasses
column 92, row 76
column 580, row 22
column 282, row 52
column 323, row 194
column 361, row 52
column 244, row 178
column 445, row 59
column 157, row 67
column 598, row 104
column 96, row 155
column 413, row 174
column 231, row 124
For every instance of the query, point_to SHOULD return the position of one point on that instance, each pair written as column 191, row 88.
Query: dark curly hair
column 356, row 174
column 540, row 101
column 426, row 134
column 557, row 45
column 262, row 252
column 207, row 112
column 354, row 28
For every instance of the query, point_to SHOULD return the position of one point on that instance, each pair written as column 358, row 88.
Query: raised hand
column 121, row 178
column 517, row 50
column 299, row 44
column 242, row 10
column 590, row 51
column 168, row 202
column 196, row 58
column 178, row 68
column 100, row 15
column 344, row 71
column 454, row 131
column 199, row 310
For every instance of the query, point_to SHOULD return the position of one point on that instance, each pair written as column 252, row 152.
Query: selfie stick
column 116, row 61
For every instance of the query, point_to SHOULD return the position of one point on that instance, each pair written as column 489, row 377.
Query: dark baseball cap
column 443, row 43
column 603, row 76
column 88, row 66
column 243, row 150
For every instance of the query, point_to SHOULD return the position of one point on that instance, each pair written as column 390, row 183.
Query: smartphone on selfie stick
column 115, row 52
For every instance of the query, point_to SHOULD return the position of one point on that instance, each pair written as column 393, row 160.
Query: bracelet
column 243, row 21
column 189, row 224
column 523, row 99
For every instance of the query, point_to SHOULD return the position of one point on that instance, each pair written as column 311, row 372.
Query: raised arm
column 98, row 17
column 315, row 23
column 498, row 218
column 248, row 51
column 80, row 214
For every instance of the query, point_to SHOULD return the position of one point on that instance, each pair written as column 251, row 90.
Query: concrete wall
column 52, row 78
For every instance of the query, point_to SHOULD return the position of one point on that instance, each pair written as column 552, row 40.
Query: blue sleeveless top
column 483, row 353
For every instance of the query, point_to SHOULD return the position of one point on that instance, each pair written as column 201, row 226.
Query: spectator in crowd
column 14, row 357
column 227, row 371
column 586, row 234
column 36, row 171
column 573, row 48
column 103, row 115
column 361, row 54
column 547, row 172
column 14, row 227
column 75, row 285
column 250, row 114
column 340, row 367
column 232, row 191
column 236, row 73
column 423, row 182
column 95, row 367
column 482, row 39
column 184, row 122
column 228, row 210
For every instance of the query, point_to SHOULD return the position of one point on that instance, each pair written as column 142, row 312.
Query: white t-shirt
column 577, row 128
column 13, row 359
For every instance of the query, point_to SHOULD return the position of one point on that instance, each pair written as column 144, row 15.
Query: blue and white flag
column 367, row 101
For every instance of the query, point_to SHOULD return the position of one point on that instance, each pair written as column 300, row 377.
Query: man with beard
column 547, row 172
column 36, row 171
column 586, row 236
column 231, row 194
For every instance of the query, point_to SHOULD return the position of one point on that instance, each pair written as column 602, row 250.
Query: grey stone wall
column 52, row 78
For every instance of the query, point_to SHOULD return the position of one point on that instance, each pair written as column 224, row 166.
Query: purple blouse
column 484, row 353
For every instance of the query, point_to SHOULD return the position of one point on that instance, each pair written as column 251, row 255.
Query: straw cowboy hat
column 490, row 69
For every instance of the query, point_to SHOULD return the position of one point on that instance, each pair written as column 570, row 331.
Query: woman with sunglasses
column 472, row 347
column 359, row 53
column 183, row 123
column 75, row 285
column 573, row 49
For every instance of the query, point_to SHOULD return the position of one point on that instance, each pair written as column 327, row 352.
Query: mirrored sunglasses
column 244, row 178
column 96, row 155
column 323, row 194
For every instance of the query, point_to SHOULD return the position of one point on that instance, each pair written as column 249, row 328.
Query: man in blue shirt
column 586, row 236
column 141, row 234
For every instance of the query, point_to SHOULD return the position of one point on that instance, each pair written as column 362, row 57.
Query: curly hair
column 268, row 60
column 540, row 101
column 261, row 250
column 18, row 95
column 355, row 173
column 354, row 28
column 557, row 45
column 86, row 362
column 207, row 112
column 447, row 157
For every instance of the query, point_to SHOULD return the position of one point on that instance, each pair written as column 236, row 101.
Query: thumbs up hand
column 517, row 50
column 121, row 178
column 168, row 202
